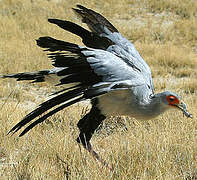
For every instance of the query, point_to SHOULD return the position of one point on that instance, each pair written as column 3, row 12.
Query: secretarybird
column 108, row 70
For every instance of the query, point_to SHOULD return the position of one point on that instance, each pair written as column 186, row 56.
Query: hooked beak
column 182, row 106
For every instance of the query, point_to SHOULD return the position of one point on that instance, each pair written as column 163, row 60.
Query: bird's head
column 172, row 100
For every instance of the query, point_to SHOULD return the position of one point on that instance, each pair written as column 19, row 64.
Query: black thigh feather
column 89, row 123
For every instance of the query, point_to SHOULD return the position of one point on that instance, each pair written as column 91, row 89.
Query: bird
column 107, row 70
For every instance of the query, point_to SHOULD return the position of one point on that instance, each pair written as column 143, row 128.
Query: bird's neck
column 153, row 107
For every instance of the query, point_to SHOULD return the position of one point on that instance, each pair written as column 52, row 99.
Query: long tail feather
column 40, row 120
column 46, row 106
column 36, row 76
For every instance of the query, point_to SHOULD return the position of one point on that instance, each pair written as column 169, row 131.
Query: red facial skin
column 172, row 100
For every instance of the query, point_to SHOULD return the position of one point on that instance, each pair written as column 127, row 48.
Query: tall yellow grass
column 165, row 34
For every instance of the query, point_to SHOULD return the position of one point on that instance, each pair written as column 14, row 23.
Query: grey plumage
column 108, row 70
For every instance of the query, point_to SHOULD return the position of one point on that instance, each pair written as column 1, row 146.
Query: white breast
column 128, row 102
column 116, row 103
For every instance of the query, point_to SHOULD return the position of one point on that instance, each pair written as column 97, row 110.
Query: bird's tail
column 72, row 67
column 59, row 102
column 48, row 76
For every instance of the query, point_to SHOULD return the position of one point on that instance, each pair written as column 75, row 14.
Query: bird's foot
column 95, row 155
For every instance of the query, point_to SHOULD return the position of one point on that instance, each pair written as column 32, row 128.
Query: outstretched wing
column 105, row 36
column 109, row 62
column 95, row 71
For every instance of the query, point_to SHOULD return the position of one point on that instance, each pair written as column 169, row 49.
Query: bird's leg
column 95, row 155
column 87, row 126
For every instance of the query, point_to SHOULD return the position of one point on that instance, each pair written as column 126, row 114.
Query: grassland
column 164, row 32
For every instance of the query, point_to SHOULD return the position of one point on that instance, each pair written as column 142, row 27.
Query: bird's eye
column 171, row 98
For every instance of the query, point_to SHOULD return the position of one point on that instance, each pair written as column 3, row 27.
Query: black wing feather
column 90, row 39
column 94, row 20
column 76, row 68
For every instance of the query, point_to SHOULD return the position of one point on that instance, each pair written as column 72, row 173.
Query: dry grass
column 165, row 34
column 182, row 8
